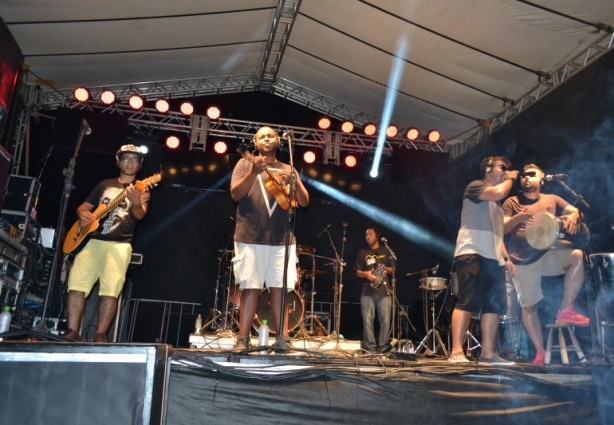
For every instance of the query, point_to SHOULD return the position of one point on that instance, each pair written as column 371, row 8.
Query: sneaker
column 569, row 316
column 458, row 357
column 495, row 360
column 242, row 343
column 540, row 358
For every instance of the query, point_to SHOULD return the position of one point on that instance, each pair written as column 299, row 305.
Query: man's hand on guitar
column 85, row 217
column 259, row 164
column 133, row 194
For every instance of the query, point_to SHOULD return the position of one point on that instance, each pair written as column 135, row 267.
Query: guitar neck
column 111, row 205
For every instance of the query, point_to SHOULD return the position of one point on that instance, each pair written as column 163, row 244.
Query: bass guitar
column 77, row 234
column 277, row 188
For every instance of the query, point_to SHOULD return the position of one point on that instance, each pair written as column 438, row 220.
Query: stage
column 71, row 383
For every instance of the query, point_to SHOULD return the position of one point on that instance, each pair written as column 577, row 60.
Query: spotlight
column 370, row 129
column 220, row 147
column 412, row 133
column 162, row 105
column 347, row 126
column 172, row 142
column 392, row 131
column 81, row 94
column 324, row 123
column 433, row 136
column 136, row 102
column 350, row 161
column 309, row 157
column 213, row 112
column 107, row 97
column 187, row 108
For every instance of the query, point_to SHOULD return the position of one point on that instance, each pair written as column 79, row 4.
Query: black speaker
column 73, row 383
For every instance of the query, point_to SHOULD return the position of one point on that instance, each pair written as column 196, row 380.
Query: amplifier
column 21, row 194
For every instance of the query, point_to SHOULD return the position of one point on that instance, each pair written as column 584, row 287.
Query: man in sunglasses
column 532, row 264
column 480, row 260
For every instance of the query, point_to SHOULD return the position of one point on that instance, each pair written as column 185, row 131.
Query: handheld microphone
column 550, row 177
column 325, row 229
column 436, row 269
column 86, row 127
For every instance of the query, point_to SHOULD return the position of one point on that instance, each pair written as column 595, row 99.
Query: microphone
column 384, row 240
column 436, row 269
column 288, row 133
column 325, row 229
column 550, row 177
column 86, row 128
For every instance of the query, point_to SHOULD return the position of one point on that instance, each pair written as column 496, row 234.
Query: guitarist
column 374, row 296
column 107, row 254
column 532, row 264
column 260, row 232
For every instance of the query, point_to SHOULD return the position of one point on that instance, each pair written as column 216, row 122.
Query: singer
column 480, row 259
column 532, row 264
column 369, row 268
column 107, row 254
column 260, row 233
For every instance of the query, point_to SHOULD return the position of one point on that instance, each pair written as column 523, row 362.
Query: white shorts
column 254, row 265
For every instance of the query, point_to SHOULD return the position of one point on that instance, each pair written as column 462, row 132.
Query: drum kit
column 228, row 320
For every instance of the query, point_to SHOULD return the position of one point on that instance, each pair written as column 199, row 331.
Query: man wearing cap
column 107, row 254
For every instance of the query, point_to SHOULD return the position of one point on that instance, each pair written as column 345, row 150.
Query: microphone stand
column 339, row 266
column 68, row 187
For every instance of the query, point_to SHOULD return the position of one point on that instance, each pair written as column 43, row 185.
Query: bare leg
column 460, row 326
column 532, row 324
column 489, row 324
column 75, row 309
column 249, row 304
column 574, row 278
column 106, row 313
column 276, row 309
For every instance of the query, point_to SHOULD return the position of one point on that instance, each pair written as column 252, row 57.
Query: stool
column 562, row 347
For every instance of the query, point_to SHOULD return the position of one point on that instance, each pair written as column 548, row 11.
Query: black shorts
column 481, row 284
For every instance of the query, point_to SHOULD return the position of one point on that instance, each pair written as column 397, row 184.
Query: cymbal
column 305, row 250
column 309, row 273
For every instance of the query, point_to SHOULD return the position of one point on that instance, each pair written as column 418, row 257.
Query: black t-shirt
column 368, row 259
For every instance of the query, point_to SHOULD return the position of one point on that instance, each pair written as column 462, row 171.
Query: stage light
column 412, row 133
column 172, row 142
column 433, row 136
column 324, row 123
column 187, row 108
column 369, row 129
column 107, row 97
column 162, row 106
column 213, row 112
column 392, row 131
column 347, row 126
column 220, row 147
column 81, row 94
column 144, row 149
column 350, row 161
column 309, row 157
column 136, row 102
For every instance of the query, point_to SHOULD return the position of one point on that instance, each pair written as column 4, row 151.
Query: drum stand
column 433, row 333
column 217, row 320
column 312, row 320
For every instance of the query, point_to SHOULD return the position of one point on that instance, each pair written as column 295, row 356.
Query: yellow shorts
column 101, row 260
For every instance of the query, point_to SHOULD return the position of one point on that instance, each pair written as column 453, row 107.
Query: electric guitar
column 77, row 234
column 278, row 189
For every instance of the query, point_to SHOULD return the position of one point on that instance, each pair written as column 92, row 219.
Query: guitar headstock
column 145, row 184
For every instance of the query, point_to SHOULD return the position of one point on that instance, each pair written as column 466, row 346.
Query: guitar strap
column 265, row 195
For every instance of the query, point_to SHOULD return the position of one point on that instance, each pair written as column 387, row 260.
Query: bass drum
column 296, row 311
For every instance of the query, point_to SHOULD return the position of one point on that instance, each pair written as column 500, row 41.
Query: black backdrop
column 190, row 216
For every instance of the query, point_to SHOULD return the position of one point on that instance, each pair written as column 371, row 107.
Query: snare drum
column 547, row 232
column 433, row 283
column 296, row 311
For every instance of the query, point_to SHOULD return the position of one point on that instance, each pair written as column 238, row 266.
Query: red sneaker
column 540, row 358
column 569, row 316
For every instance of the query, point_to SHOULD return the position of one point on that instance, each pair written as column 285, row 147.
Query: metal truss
column 284, row 18
column 548, row 83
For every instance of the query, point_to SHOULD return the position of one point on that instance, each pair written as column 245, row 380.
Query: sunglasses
column 503, row 167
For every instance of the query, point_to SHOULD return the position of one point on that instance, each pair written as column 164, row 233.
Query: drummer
column 532, row 264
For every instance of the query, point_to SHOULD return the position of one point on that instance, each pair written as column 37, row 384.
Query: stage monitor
column 11, row 60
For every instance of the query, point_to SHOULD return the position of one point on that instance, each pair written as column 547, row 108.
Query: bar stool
column 562, row 346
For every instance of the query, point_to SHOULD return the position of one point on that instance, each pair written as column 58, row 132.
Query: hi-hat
column 305, row 250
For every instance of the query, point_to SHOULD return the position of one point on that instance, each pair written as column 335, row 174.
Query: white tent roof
column 458, row 61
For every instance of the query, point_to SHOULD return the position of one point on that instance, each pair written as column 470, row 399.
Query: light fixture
column 172, row 142
column 309, row 157
column 350, row 161
column 369, row 129
column 213, row 112
column 324, row 123
column 347, row 126
column 107, row 97
column 162, row 106
column 392, row 131
column 220, row 147
column 412, row 133
column 136, row 102
column 433, row 136
column 81, row 94
column 187, row 108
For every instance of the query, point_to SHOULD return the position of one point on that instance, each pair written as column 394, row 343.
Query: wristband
column 506, row 259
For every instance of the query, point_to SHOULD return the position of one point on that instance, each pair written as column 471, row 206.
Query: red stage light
column 213, row 112
column 309, row 157
column 412, row 133
column 324, row 123
column 81, row 94
column 220, row 147
column 351, row 161
column 187, row 108
column 162, row 106
column 370, row 129
column 392, row 131
column 347, row 126
column 172, row 142
column 433, row 136
column 136, row 102
column 107, row 97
